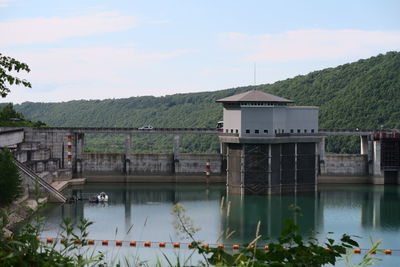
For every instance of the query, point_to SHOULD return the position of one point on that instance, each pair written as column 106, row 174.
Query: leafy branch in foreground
column 7, row 65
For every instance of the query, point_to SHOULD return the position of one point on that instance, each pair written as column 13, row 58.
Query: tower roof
column 254, row 96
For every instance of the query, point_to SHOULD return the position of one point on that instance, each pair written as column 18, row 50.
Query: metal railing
column 48, row 187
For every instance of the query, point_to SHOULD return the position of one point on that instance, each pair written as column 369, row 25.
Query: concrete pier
column 271, row 165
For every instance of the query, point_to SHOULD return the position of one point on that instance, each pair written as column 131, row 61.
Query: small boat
column 102, row 197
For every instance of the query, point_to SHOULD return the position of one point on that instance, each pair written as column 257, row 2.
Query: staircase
column 50, row 189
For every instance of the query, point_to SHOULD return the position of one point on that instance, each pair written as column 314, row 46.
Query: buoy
column 220, row 246
column 190, row 246
column 49, row 240
column 162, row 244
column 147, row 244
column 235, row 246
column 177, row 245
column 357, row 250
column 205, row 245
column 388, row 251
column 77, row 241
column 63, row 241
column 132, row 243
column 118, row 243
column 104, row 242
column 91, row 242
column 266, row 247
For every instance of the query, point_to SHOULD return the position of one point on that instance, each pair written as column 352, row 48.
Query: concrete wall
column 105, row 163
column 232, row 120
column 346, row 165
column 10, row 137
column 302, row 118
column 102, row 162
column 196, row 163
column 151, row 163
column 257, row 118
column 269, row 119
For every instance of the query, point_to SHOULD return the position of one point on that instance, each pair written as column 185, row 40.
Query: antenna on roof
column 255, row 73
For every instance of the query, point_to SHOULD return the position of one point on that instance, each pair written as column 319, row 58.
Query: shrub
column 10, row 180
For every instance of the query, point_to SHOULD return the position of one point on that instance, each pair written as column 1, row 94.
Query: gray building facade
column 270, row 145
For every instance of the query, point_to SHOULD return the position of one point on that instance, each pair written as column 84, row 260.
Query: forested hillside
column 364, row 94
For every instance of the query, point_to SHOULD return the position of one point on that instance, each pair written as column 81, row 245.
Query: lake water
column 142, row 212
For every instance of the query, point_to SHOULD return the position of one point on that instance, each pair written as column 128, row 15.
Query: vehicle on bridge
column 146, row 127
column 220, row 126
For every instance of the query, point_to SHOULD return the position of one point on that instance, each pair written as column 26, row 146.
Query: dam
column 266, row 146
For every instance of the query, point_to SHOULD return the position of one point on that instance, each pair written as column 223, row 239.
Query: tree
column 10, row 181
column 7, row 65
column 7, row 112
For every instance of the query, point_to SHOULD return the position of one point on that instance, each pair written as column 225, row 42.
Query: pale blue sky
column 115, row 49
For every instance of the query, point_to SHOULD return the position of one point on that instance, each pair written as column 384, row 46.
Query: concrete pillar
column 376, row 147
column 242, row 168
column 128, row 152
column 321, row 152
column 364, row 144
column 222, row 148
column 177, row 141
column 269, row 170
column 295, row 166
column 316, row 163
column 80, row 144
column 227, row 166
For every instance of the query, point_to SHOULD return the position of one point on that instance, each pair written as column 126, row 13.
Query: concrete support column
column 242, row 169
column 376, row 147
column 295, row 166
column 321, row 153
column 177, row 141
column 364, row 144
column 269, row 169
column 81, row 144
column 222, row 148
column 227, row 166
column 316, row 163
column 128, row 152
column 370, row 158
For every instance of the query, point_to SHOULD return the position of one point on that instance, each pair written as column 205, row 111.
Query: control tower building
column 271, row 145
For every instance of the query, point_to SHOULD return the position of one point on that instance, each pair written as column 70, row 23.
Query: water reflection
column 271, row 211
column 362, row 210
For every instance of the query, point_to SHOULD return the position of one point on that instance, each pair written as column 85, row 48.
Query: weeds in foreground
column 368, row 259
column 25, row 249
column 290, row 249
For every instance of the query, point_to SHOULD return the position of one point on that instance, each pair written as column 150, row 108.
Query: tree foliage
column 364, row 94
column 11, row 118
column 7, row 66
column 10, row 180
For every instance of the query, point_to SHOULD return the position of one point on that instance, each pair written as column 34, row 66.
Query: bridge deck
column 131, row 130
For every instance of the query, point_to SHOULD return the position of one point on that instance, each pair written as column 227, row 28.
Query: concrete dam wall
column 346, row 165
column 150, row 164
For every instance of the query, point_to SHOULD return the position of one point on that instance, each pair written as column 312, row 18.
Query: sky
column 100, row 49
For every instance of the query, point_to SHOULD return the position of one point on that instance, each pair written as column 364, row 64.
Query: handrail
column 41, row 181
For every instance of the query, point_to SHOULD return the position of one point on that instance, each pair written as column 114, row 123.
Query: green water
column 363, row 210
